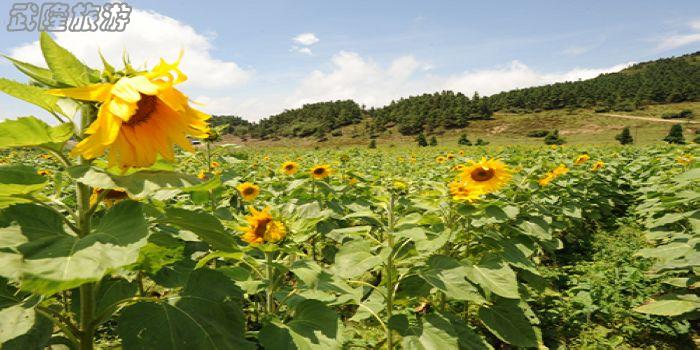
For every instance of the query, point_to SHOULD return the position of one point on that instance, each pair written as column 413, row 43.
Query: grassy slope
column 577, row 127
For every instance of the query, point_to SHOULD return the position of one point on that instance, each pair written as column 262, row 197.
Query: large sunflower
column 290, row 168
column 582, row 159
column 262, row 228
column 320, row 171
column 139, row 117
column 248, row 190
column 486, row 175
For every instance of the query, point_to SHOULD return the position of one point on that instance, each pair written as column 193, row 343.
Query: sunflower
column 460, row 191
column 582, row 159
column 320, row 171
column 248, row 190
column 110, row 198
column 461, row 152
column 597, row 165
column 290, row 168
column 459, row 167
column 262, row 227
column 215, row 164
column 45, row 156
column 546, row 179
column 488, row 175
column 560, row 170
column 450, row 156
column 685, row 159
column 139, row 117
column 43, row 172
column 352, row 181
column 202, row 175
column 440, row 159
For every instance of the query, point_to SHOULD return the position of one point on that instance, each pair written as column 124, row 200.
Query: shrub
column 537, row 133
column 553, row 138
column 624, row 137
column 675, row 135
column 463, row 140
column 433, row 141
column 420, row 139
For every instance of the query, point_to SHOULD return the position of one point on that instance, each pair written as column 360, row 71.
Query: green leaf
column 671, row 305
column 32, row 94
column 448, row 275
column 53, row 260
column 207, row 314
column 494, row 276
column 17, row 181
column 21, row 327
column 138, row 185
column 66, row 68
column 207, row 227
column 355, row 258
column 508, row 322
column 41, row 75
column 434, row 332
column 314, row 326
column 31, row 132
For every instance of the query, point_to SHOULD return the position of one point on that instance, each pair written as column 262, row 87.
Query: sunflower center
column 144, row 109
column 289, row 167
column 319, row 171
column 482, row 174
column 248, row 191
column 262, row 227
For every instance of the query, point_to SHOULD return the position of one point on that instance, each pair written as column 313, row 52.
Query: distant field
column 577, row 127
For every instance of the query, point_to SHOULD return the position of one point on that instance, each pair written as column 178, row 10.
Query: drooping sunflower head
column 290, row 168
column 109, row 198
column 582, row 159
column 461, row 191
column 598, row 165
column 262, row 227
column 319, row 172
column 488, row 175
column 140, row 116
column 248, row 191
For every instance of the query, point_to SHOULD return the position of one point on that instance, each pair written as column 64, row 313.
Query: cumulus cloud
column 674, row 41
column 148, row 37
column 306, row 39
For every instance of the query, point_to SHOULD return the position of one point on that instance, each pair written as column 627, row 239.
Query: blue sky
column 242, row 57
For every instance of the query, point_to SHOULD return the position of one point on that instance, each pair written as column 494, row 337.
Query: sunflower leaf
column 65, row 66
column 39, row 74
column 32, row 94
column 30, row 131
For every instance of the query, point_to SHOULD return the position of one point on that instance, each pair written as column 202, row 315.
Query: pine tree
column 373, row 144
column 480, row 142
column 433, row 141
column 624, row 137
column 422, row 142
column 675, row 135
column 553, row 138
column 463, row 140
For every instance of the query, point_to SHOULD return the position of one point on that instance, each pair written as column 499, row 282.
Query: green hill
column 667, row 80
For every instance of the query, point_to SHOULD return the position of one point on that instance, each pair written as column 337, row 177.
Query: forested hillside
column 667, row 80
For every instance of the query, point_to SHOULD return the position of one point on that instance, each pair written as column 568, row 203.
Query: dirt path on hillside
column 649, row 119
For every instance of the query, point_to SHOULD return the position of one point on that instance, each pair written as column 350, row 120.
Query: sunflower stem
column 390, row 273
column 270, row 290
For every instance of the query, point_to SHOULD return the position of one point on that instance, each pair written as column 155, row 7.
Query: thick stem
column 87, row 313
column 390, row 274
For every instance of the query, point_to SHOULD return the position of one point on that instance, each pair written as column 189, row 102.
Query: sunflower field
column 110, row 237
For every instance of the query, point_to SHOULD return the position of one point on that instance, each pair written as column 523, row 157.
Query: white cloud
column 148, row 37
column 306, row 39
column 674, row 41
column 304, row 50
